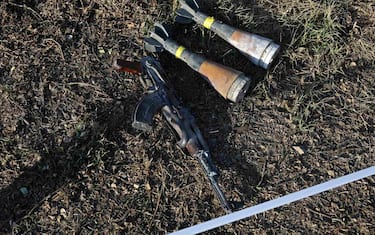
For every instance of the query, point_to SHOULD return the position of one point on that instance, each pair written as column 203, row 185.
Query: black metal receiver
column 160, row 96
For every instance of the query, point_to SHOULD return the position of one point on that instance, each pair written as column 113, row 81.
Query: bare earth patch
column 70, row 162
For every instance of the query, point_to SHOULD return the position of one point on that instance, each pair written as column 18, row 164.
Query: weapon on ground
column 160, row 96
column 230, row 83
column 260, row 50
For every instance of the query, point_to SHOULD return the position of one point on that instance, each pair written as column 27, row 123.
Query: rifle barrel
column 212, row 174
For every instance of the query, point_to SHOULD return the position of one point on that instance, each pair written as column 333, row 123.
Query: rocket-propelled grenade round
column 230, row 83
column 260, row 50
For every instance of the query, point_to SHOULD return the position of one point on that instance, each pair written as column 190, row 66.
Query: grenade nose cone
column 239, row 88
column 268, row 56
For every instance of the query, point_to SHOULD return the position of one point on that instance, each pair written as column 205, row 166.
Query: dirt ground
column 71, row 163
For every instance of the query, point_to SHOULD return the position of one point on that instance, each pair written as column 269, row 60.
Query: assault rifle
column 160, row 96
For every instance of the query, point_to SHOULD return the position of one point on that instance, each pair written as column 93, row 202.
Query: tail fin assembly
column 186, row 13
column 155, row 43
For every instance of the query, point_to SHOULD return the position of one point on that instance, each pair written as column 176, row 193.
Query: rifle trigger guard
column 146, row 110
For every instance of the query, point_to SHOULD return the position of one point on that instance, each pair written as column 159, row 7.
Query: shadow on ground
column 61, row 164
column 242, row 171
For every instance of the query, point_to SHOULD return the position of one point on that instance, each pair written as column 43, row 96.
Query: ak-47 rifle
column 160, row 96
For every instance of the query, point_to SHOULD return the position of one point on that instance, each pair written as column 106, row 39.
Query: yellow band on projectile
column 179, row 51
column 208, row 22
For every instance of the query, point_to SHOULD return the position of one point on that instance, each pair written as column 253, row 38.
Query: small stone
column 101, row 50
column 69, row 37
column 63, row 213
column 136, row 186
column 353, row 64
column 82, row 197
column 299, row 149
column 331, row 173
column 24, row 191
column 148, row 187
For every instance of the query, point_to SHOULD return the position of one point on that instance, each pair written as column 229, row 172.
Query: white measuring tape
column 289, row 198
